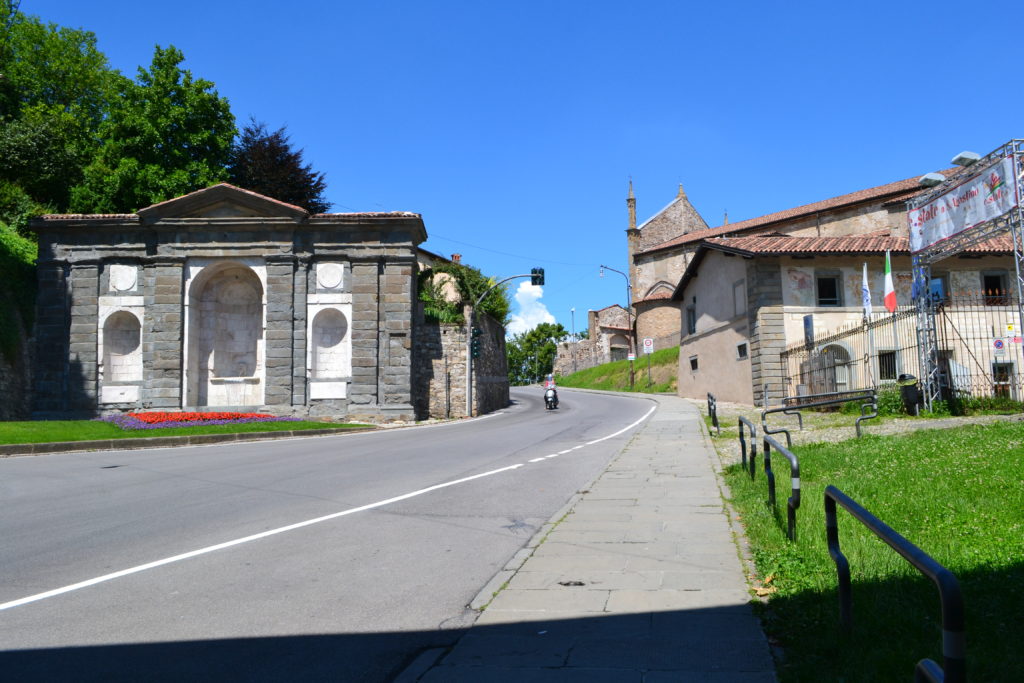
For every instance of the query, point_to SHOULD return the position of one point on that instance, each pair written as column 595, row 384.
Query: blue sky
column 513, row 127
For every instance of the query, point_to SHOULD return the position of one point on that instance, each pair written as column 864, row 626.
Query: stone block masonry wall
column 281, row 330
column 82, row 346
column 365, row 341
column 439, row 369
column 768, row 334
column 301, row 276
column 490, row 370
column 162, row 333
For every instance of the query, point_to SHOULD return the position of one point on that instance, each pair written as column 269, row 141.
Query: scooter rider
column 549, row 384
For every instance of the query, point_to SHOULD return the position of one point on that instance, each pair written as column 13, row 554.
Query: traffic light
column 536, row 276
column 474, row 347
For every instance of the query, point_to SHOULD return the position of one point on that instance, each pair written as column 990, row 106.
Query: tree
column 55, row 88
column 264, row 162
column 167, row 134
column 470, row 284
column 531, row 355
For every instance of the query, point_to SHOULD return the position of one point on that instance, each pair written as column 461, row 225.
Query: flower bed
column 164, row 420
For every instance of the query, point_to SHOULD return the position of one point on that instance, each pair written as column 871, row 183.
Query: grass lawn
column 615, row 376
column 46, row 431
column 958, row 494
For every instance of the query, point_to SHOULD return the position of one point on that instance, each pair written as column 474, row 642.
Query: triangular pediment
column 222, row 201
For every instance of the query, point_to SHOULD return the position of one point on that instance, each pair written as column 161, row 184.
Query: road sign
column 648, row 345
column 631, row 356
column 998, row 344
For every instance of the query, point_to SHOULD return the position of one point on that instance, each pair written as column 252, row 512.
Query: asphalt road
column 317, row 558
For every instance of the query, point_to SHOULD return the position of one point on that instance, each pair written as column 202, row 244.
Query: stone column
column 363, row 394
column 300, row 289
column 279, row 350
column 82, row 345
column 396, row 334
column 163, row 332
column 51, row 372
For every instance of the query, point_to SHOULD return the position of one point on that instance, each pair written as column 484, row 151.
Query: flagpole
column 870, row 365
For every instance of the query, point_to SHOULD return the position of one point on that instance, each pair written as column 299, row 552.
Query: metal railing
column 793, row 503
column 867, row 396
column 753, row 445
column 713, row 413
column 954, row 669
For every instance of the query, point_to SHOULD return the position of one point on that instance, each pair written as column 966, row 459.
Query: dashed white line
column 291, row 527
column 240, row 541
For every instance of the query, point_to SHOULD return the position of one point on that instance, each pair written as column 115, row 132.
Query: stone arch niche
column 120, row 369
column 330, row 330
column 225, row 346
column 330, row 354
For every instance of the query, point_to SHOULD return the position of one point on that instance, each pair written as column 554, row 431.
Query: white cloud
column 531, row 311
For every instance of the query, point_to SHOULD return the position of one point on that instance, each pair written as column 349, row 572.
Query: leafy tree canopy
column 470, row 284
column 531, row 355
column 167, row 134
column 55, row 87
column 265, row 162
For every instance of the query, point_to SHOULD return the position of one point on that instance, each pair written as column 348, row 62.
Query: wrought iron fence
column 980, row 353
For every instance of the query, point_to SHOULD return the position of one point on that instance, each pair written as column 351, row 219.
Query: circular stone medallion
column 122, row 277
column 328, row 275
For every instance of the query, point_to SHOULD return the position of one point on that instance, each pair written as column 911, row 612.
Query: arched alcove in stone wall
column 331, row 350
column 122, row 350
column 224, row 334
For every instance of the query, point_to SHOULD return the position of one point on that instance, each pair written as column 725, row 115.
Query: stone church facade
column 225, row 299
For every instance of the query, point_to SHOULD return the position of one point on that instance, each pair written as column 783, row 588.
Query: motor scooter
column 550, row 398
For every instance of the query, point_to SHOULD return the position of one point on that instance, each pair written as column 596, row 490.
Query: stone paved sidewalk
column 641, row 581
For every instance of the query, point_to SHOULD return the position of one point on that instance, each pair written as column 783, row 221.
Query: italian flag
column 890, row 293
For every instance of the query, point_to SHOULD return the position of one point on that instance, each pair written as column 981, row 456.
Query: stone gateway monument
column 226, row 299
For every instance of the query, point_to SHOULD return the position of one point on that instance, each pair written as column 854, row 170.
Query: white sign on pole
column 648, row 345
column 983, row 198
column 631, row 356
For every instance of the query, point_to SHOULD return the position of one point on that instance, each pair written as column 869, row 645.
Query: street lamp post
column 572, row 312
column 629, row 314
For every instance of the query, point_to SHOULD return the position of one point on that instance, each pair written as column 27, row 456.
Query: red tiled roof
column 875, row 243
column 87, row 216
column 901, row 187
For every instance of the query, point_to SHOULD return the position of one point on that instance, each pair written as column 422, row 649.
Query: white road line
column 239, row 541
column 624, row 429
column 536, row 459
column 290, row 527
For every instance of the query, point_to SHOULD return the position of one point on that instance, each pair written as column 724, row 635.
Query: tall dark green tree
column 265, row 162
column 531, row 355
column 166, row 134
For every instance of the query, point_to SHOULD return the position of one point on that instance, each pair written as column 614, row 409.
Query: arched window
column 122, row 351
column 330, row 352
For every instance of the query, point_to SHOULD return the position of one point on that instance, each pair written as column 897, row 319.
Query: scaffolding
column 1012, row 222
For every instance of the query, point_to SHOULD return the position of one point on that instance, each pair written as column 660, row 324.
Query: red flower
column 158, row 417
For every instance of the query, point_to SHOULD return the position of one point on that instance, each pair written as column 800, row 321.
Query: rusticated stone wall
column 439, row 369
